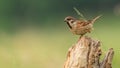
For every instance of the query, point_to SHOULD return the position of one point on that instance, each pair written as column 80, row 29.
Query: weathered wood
column 86, row 54
column 107, row 61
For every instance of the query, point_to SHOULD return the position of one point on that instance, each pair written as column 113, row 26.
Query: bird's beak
column 65, row 21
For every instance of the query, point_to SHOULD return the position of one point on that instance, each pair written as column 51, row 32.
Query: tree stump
column 86, row 54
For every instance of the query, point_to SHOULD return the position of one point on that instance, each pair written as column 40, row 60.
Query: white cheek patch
column 71, row 22
column 74, row 23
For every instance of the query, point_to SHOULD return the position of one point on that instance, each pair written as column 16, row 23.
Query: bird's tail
column 95, row 19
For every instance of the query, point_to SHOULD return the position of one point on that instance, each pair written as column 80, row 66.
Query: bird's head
column 70, row 21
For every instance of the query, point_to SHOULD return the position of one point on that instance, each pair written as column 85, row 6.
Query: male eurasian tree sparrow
column 80, row 27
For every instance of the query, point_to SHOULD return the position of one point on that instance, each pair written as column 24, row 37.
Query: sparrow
column 80, row 27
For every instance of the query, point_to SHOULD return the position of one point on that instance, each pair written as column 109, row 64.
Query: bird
column 80, row 27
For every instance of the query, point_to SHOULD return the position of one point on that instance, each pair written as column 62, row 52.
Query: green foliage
column 78, row 12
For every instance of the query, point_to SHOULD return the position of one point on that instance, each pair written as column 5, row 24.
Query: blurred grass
column 47, row 47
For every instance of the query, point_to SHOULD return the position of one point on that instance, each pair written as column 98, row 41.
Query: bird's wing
column 83, row 23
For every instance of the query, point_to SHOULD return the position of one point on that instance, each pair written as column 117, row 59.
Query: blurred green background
column 33, row 34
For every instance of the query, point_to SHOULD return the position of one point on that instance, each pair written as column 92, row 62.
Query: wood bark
column 86, row 54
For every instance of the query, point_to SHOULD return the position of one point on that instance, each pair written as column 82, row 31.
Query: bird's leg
column 81, row 36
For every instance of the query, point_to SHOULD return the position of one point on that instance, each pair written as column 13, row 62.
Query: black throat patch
column 69, row 25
